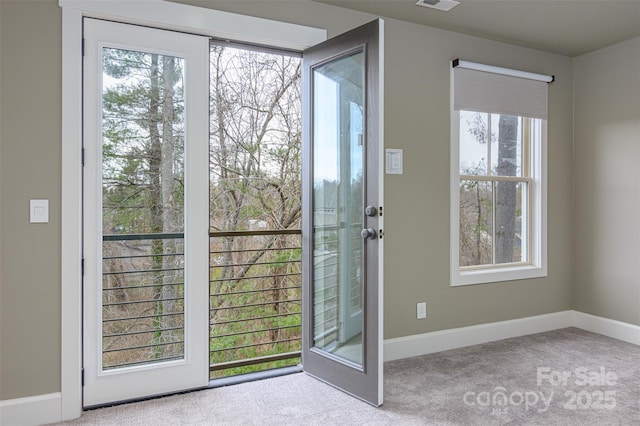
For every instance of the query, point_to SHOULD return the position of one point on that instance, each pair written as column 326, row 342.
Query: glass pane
column 510, row 222
column 338, row 178
column 356, row 171
column 476, row 223
column 474, row 138
column 143, row 194
column 506, row 145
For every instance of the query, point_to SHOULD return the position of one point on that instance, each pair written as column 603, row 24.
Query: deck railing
column 142, row 299
column 255, row 297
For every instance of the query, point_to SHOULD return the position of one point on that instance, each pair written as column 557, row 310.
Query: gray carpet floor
column 562, row 377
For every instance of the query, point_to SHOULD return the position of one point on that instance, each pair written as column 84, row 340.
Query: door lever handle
column 368, row 233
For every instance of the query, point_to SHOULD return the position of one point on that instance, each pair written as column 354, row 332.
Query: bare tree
column 255, row 164
column 477, row 245
column 476, row 219
column 143, row 193
column 506, row 191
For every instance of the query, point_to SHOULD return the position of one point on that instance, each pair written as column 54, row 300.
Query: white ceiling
column 567, row 27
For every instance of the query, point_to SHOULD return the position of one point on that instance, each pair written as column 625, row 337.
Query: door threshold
column 140, row 399
column 252, row 377
column 213, row 384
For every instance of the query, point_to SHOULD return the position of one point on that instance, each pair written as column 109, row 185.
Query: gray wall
column 607, row 182
column 417, row 203
column 30, row 46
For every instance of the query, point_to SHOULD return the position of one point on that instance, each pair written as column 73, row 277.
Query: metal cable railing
column 255, row 300
column 142, row 299
column 255, row 294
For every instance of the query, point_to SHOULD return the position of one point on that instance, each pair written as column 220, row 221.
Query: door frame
column 162, row 15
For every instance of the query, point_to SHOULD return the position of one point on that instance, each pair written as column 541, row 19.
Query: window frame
column 536, row 264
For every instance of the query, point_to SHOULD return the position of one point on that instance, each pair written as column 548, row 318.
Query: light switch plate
column 39, row 211
column 421, row 310
column 393, row 161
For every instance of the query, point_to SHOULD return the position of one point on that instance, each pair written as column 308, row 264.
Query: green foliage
column 263, row 308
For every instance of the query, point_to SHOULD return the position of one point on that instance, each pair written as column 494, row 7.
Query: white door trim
column 201, row 21
column 159, row 14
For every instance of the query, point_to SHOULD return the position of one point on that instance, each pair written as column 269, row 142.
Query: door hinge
column 82, row 376
column 83, row 46
column 82, row 157
column 82, row 266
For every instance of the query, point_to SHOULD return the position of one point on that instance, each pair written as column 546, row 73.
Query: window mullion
column 526, row 147
column 493, row 222
column 526, row 164
column 495, row 178
column 528, row 228
column 489, row 142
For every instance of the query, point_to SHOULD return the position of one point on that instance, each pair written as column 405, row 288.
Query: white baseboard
column 47, row 408
column 617, row 329
column 33, row 410
column 443, row 340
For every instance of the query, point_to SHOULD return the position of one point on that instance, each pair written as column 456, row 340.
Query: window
column 498, row 177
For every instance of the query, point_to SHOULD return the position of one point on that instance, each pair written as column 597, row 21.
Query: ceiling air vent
column 444, row 5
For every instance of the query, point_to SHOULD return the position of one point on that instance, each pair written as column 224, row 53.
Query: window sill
column 483, row 276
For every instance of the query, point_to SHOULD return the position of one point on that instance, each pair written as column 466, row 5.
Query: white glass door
column 342, row 214
column 145, row 212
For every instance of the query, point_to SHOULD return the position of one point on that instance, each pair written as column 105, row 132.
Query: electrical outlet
column 421, row 310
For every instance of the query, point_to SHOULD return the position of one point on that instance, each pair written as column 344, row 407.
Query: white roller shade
column 483, row 91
